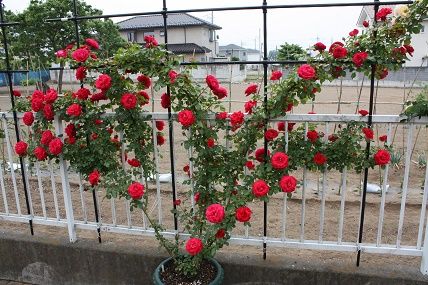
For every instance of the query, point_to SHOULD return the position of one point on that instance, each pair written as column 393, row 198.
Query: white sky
column 300, row 26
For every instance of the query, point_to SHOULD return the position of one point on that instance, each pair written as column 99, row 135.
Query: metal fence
column 73, row 208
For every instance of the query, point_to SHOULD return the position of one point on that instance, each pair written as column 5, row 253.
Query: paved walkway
column 4, row 282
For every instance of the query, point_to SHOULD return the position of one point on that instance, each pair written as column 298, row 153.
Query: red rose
column 251, row 89
column 249, row 106
column 250, row 165
column 103, row 82
column 382, row 13
column 281, row 126
column 160, row 125
column 214, row 213
column 279, row 160
column 359, row 58
column 353, row 33
column 134, row 162
column 271, row 134
column 81, row 73
column 145, row 80
column 186, row 168
column 320, row 158
column 136, row 190
column 383, row 138
column 37, row 104
column 83, row 93
column 61, row 54
column 289, row 107
column 70, row 140
column 339, row 52
column 319, row 46
column 176, row 202
column 290, row 126
column 165, row 101
column 363, row 112
column 409, row 49
column 210, row 143
column 186, row 118
column 220, row 92
column 365, row 24
column 382, row 157
column 74, row 110
column 194, row 246
column 48, row 112
column 51, row 96
column 276, row 75
column 94, row 178
column 150, row 41
column 312, row 136
column 260, row 188
column 220, row 234
column 333, row 137
column 21, row 148
column 212, row 82
column 128, row 101
column 221, row 116
column 337, row 71
column 40, row 153
column 307, row 72
column 243, row 214
column 160, row 139
column 55, row 146
column 47, row 137
column 70, row 130
column 80, row 54
column 288, row 183
column 145, row 97
column 368, row 133
column 172, row 74
column 16, row 93
column 260, row 154
column 28, row 118
column 382, row 73
column 197, row 196
column 92, row 43
column 236, row 119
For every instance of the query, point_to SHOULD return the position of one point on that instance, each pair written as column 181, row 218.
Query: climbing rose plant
column 106, row 127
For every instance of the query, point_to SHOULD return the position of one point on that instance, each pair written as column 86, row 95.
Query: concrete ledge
column 47, row 260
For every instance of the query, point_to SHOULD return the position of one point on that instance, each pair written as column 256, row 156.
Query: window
column 423, row 29
column 149, row 33
column 131, row 37
column 211, row 35
column 162, row 33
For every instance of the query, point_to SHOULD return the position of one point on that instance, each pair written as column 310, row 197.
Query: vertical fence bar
column 15, row 116
column 342, row 206
column 423, row 210
column 170, row 124
column 127, row 208
column 54, row 190
column 302, row 217
column 424, row 263
column 284, row 206
column 383, row 198
column 324, row 177
column 42, row 196
column 158, row 188
column 66, row 186
column 265, row 99
column 82, row 199
column 369, row 124
column 3, row 191
column 405, row 183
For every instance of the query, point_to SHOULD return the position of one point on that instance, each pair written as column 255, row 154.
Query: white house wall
column 420, row 43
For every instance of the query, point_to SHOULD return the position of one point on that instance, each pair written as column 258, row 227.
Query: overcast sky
column 300, row 26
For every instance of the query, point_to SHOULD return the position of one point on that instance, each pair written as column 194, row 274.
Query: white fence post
column 65, row 186
column 424, row 263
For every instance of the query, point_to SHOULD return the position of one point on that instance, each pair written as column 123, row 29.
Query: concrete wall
column 53, row 261
column 420, row 43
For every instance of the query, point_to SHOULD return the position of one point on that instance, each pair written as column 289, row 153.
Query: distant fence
column 20, row 78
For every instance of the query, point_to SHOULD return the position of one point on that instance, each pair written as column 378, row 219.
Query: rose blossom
column 61, row 54
column 220, row 92
column 276, row 75
column 103, row 82
column 94, row 178
column 160, row 125
column 260, row 154
column 172, row 74
column 359, row 58
column 143, row 95
column 236, row 119
column 74, row 110
column 145, row 80
column 220, row 234
column 194, row 246
column 319, row 46
column 47, row 137
column 383, row 138
column 353, row 33
column 243, row 214
column 92, row 43
column 260, row 188
column 288, row 183
column 128, row 101
column 160, row 139
column 271, row 134
column 363, row 112
column 307, row 72
column 37, row 104
column 215, row 213
column 80, row 54
column 55, row 146
column 136, row 190
column 279, row 160
column 320, row 158
column 48, row 112
column 165, row 101
column 409, row 49
column 21, row 148
column 339, row 52
column 250, row 165
column 150, row 41
column 312, row 136
column 368, row 133
column 221, row 116
column 186, row 118
column 402, row 11
column 81, row 73
column 251, row 89
column 16, row 93
column 333, row 137
column 383, row 13
column 83, row 93
column 212, row 82
column 40, row 153
column 366, row 24
column 70, row 130
column 28, row 118
column 210, row 143
column 382, row 157
column 249, row 106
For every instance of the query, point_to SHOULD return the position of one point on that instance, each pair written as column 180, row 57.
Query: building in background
column 188, row 35
column 235, row 52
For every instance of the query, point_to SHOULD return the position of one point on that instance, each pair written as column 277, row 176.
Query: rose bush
column 225, row 179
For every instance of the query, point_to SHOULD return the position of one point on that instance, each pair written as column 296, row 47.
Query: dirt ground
column 392, row 96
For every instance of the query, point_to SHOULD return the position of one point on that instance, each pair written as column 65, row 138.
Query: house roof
column 189, row 48
column 249, row 50
column 231, row 47
column 156, row 21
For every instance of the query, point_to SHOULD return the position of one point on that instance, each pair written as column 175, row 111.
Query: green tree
column 291, row 52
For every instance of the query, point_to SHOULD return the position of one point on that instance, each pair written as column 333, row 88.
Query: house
column 419, row 41
column 233, row 52
column 193, row 38
column 254, row 55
